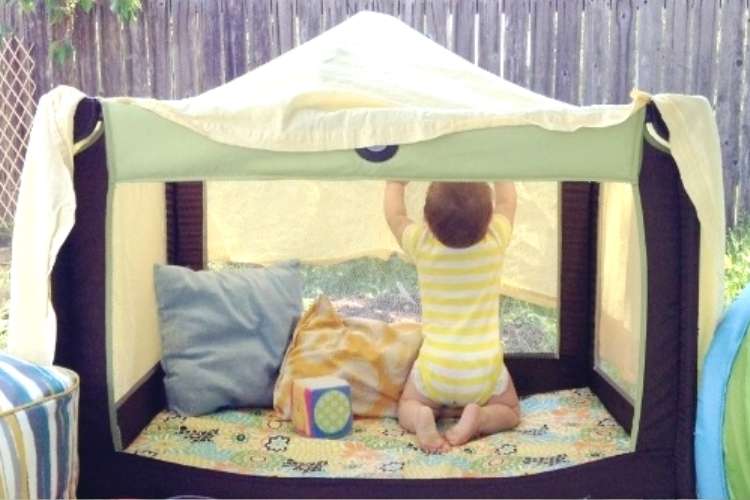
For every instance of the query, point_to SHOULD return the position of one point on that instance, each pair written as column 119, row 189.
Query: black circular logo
column 377, row 154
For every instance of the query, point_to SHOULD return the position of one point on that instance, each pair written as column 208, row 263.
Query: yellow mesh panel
column 138, row 242
column 328, row 222
column 618, row 304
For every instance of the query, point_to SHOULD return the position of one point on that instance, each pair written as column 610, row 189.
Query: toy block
column 322, row 407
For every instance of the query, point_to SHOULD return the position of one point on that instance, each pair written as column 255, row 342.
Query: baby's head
column 458, row 213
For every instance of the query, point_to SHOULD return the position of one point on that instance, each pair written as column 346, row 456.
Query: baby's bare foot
column 428, row 437
column 466, row 427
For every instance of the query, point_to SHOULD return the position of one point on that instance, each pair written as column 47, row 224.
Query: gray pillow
column 224, row 334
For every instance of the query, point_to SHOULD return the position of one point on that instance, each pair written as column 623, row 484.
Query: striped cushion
column 38, row 430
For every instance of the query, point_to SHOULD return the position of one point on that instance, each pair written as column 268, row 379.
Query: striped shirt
column 462, row 354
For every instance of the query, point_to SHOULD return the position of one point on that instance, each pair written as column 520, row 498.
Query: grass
column 388, row 291
column 737, row 261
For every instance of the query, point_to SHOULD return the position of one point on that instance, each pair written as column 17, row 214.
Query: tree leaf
column 28, row 5
column 126, row 10
column 61, row 51
column 5, row 32
column 86, row 5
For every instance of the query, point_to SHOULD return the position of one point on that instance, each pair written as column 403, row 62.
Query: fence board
column 436, row 19
column 490, row 39
column 334, row 12
column 138, row 59
column 649, row 41
column 568, row 44
column 389, row 7
column 284, row 16
column 704, row 28
column 158, row 28
column 676, row 52
column 234, row 38
column 596, row 52
column 85, row 32
column 183, row 68
column 36, row 32
column 354, row 6
column 56, row 71
column 114, row 79
column 197, row 45
column 463, row 28
column 310, row 14
column 412, row 13
column 260, row 33
column 516, row 14
column 728, row 97
column 125, row 58
column 622, row 37
column 542, row 25
column 211, row 72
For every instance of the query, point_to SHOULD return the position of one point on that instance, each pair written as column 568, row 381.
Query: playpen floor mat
column 558, row 429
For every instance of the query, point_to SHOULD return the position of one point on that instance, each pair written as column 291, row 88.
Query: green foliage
column 126, row 10
column 366, row 277
column 58, row 11
column 61, row 50
column 5, row 32
column 737, row 260
column 28, row 5
column 86, row 5
column 528, row 327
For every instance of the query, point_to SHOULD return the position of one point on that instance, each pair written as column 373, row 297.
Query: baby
column 458, row 252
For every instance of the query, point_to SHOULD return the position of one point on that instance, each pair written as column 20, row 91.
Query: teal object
column 722, row 363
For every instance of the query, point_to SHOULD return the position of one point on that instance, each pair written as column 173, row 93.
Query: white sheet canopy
column 349, row 87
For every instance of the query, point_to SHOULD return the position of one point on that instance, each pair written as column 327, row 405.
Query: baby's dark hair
column 458, row 213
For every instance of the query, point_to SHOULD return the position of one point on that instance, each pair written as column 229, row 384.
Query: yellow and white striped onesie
column 461, row 359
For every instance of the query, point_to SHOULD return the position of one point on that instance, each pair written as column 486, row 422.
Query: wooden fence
column 579, row 51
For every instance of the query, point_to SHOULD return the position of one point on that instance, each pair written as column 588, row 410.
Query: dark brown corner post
column 185, row 224
column 78, row 284
column 578, row 261
column 577, row 265
column 669, row 392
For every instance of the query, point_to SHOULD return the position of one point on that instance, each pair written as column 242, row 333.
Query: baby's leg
column 416, row 414
column 501, row 412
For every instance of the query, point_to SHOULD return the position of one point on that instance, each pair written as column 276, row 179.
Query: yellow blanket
column 373, row 356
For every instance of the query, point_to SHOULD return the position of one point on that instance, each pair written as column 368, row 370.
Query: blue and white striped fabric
column 38, row 430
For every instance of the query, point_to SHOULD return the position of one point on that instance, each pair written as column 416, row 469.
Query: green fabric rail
column 142, row 146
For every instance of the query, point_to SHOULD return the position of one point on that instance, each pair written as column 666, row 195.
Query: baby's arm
column 505, row 199
column 395, row 209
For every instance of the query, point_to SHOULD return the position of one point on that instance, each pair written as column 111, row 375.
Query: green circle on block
column 332, row 412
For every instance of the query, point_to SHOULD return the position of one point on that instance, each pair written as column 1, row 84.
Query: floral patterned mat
column 558, row 429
